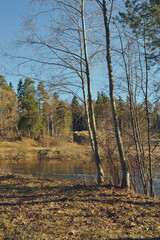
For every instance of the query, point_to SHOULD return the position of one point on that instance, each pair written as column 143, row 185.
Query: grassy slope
column 28, row 148
column 46, row 208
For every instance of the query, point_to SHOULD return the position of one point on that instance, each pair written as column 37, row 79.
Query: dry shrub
column 48, row 141
column 109, row 151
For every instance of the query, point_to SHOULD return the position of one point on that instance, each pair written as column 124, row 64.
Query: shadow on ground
column 82, row 211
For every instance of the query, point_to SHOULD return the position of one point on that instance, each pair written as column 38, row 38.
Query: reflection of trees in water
column 74, row 171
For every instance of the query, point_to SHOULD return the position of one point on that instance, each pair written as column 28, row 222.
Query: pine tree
column 8, row 110
column 144, row 19
column 78, row 119
column 101, row 105
column 53, row 114
column 3, row 83
column 30, row 121
column 42, row 95
column 11, row 85
column 43, row 106
column 63, row 119
column 20, row 92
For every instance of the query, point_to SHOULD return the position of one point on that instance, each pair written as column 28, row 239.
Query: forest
column 33, row 112
column 80, row 121
column 37, row 114
column 71, row 47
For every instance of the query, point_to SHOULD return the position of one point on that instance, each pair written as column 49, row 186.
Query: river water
column 73, row 171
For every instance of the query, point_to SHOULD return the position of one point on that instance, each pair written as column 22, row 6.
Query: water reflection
column 70, row 170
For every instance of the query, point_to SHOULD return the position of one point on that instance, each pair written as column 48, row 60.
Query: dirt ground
column 39, row 208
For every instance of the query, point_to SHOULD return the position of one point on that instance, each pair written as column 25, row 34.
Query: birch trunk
column 134, row 121
column 125, row 173
column 151, row 190
column 84, row 91
column 100, row 172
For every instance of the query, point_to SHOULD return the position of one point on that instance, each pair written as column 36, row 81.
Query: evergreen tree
column 78, row 119
column 20, row 91
column 30, row 121
column 101, row 105
column 64, row 118
column 11, row 86
column 55, row 96
column 54, row 129
column 144, row 19
column 43, row 105
column 8, row 109
column 120, row 112
column 3, row 83
column 42, row 95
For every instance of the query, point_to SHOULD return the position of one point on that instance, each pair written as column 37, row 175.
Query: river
column 73, row 171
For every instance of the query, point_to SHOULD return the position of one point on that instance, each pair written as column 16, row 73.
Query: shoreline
column 30, row 149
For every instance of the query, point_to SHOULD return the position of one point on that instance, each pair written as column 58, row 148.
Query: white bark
column 91, row 108
column 125, row 173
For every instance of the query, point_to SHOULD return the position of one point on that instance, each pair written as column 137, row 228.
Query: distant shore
column 28, row 149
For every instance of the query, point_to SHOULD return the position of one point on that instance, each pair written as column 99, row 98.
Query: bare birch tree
column 91, row 108
column 67, row 50
column 125, row 172
column 133, row 114
column 140, row 30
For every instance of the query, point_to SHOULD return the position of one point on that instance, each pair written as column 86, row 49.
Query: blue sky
column 11, row 19
column 12, row 12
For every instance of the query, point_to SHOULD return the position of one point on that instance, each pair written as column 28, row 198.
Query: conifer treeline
column 34, row 113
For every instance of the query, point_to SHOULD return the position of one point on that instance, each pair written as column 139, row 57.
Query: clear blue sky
column 10, row 18
column 11, row 14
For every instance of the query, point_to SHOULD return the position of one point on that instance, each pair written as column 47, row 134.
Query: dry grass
column 28, row 149
column 46, row 208
column 24, row 143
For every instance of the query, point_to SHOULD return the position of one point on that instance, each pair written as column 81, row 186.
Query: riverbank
column 28, row 149
column 65, row 159
column 45, row 208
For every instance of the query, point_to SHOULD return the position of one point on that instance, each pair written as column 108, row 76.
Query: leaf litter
column 34, row 208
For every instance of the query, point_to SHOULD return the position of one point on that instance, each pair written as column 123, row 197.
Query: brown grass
column 46, row 208
column 28, row 149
